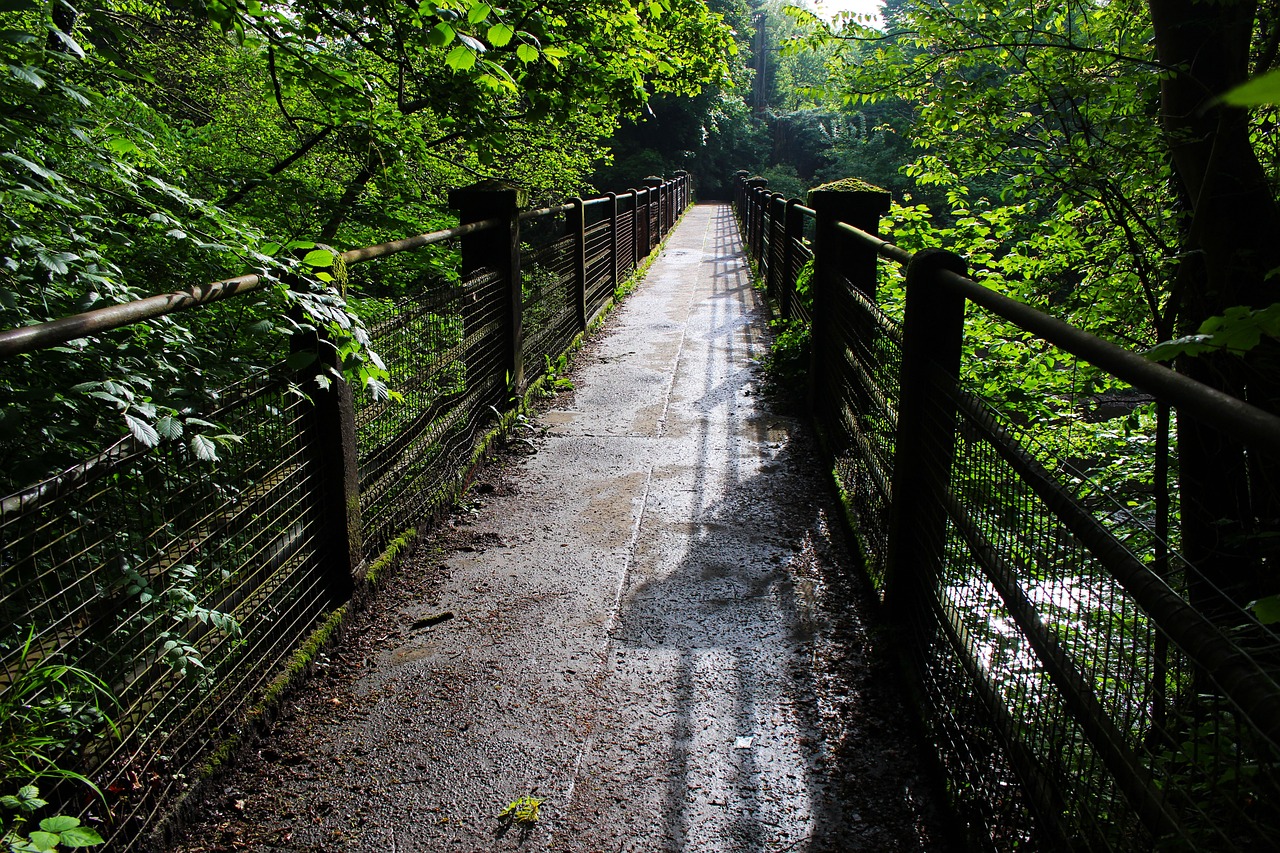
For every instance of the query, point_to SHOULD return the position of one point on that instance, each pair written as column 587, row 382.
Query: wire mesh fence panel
column 1123, row 744
column 549, row 292
column 626, row 244
column 444, row 349
column 599, row 268
column 177, row 582
column 863, row 436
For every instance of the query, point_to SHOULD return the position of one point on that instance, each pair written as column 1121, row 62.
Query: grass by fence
column 1085, row 688
column 185, row 588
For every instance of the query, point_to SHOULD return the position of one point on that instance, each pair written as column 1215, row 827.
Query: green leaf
column 169, row 427
column 204, row 449
column 43, row 841
column 441, row 34
column 59, row 823
column 142, row 430
column 1259, row 91
column 300, row 359
column 500, row 35
column 81, row 836
column 526, row 53
column 27, row 74
column 478, row 13
column 460, row 58
column 319, row 257
column 1267, row 610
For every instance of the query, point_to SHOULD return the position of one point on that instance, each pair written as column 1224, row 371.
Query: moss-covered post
column 740, row 195
column 497, row 250
column 835, row 258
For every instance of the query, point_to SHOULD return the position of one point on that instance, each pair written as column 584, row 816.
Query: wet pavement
column 651, row 625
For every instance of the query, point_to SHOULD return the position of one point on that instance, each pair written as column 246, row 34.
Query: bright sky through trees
column 830, row 8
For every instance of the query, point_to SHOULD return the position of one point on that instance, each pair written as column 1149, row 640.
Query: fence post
column 642, row 247
column 752, row 188
column 777, row 216
column 330, row 457
column 655, row 197
column 740, row 195
column 496, row 249
column 793, row 231
column 860, row 207
column 933, row 329
column 682, row 191
column 614, row 277
column 576, row 223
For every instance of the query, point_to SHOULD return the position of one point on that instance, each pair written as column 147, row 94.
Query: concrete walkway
column 642, row 626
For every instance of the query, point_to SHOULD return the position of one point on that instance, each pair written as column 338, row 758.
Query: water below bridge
column 651, row 624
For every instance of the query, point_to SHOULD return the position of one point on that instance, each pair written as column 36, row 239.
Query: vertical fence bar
column 642, row 213
column 497, row 249
column 635, row 229
column 777, row 243
column 933, row 328
column 577, row 226
column 614, row 276
column 793, row 230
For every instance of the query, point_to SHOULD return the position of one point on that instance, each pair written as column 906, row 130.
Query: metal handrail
column 1240, row 420
column 110, row 317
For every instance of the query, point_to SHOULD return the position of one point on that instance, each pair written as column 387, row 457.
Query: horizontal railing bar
column 545, row 211
column 1240, row 420
column 806, row 211
column 368, row 253
column 881, row 246
column 26, row 339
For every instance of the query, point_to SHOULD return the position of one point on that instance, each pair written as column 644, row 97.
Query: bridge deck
column 649, row 625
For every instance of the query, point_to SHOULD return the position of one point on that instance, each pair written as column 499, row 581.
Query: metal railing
column 1084, row 687
column 185, row 586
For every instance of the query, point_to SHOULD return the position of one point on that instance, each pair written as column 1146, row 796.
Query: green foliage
column 556, row 381
column 44, row 711
column 788, row 361
column 150, row 147
column 55, row 832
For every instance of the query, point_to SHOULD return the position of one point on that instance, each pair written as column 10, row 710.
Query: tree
column 148, row 146
column 1131, row 201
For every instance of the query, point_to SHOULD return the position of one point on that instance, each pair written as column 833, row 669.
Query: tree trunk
column 1231, row 243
